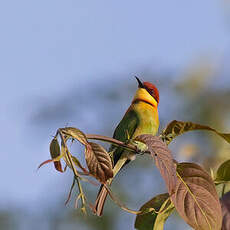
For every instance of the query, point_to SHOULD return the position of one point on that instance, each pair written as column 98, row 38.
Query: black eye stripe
column 152, row 93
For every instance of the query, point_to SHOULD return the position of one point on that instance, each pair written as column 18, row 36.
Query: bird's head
column 147, row 92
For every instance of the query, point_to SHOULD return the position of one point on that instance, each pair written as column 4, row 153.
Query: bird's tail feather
column 100, row 201
column 103, row 192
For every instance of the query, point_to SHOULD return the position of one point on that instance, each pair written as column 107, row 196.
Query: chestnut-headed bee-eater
column 140, row 118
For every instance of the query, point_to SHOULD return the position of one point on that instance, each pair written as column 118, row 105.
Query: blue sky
column 47, row 46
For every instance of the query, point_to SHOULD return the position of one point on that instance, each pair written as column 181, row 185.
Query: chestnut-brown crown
column 152, row 90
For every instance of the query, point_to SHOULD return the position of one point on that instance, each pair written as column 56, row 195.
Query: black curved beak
column 140, row 85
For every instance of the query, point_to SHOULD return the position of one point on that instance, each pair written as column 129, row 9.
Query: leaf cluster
column 191, row 189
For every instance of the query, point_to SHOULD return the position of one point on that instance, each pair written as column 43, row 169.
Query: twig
column 75, row 173
column 223, row 189
column 70, row 192
column 113, row 141
column 122, row 206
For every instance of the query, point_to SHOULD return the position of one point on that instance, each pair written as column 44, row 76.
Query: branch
column 113, row 141
column 122, row 206
column 75, row 172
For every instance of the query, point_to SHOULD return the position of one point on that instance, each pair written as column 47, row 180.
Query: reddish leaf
column 98, row 162
column 163, row 159
column 58, row 166
column 196, row 199
column 44, row 163
column 54, row 161
column 225, row 206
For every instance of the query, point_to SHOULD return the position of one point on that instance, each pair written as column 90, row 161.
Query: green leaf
column 154, row 219
column 176, row 128
column 223, row 172
column 78, row 164
column 196, row 199
column 55, row 154
column 222, row 188
column 165, row 211
column 76, row 134
column 54, row 148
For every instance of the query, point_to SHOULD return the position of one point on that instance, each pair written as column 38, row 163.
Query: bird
column 140, row 118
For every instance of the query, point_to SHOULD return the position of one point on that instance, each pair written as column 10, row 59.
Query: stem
column 76, row 175
column 113, row 141
column 223, row 189
column 122, row 206
column 70, row 192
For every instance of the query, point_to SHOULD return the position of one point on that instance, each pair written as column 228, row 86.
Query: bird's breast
column 148, row 119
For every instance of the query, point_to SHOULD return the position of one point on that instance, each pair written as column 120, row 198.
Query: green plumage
column 124, row 130
column 140, row 118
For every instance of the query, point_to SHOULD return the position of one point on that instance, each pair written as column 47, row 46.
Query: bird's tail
column 103, row 192
column 100, row 201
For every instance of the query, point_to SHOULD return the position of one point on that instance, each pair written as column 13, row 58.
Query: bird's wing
column 124, row 131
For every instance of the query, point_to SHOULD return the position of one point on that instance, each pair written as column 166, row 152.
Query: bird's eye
column 152, row 93
column 152, row 90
